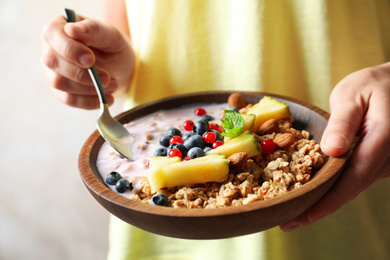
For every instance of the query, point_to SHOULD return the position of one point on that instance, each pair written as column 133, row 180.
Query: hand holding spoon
column 111, row 130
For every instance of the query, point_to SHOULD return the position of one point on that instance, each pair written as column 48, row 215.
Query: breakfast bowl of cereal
column 213, row 165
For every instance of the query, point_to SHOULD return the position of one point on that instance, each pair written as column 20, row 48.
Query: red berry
column 200, row 111
column 214, row 127
column 267, row 146
column 209, row 137
column 186, row 159
column 175, row 152
column 188, row 125
column 175, row 139
column 216, row 144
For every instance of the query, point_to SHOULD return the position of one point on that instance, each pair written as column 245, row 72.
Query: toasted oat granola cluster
column 261, row 177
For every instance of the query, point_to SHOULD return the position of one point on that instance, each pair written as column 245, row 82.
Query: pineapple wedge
column 156, row 177
column 200, row 170
column 249, row 122
column 245, row 142
column 269, row 108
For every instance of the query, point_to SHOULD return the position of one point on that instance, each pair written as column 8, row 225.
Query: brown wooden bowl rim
column 332, row 167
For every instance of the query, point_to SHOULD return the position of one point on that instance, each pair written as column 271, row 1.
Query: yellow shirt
column 298, row 48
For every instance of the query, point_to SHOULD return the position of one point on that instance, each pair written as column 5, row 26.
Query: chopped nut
column 284, row 140
column 238, row 160
column 236, row 100
column 141, row 146
column 268, row 127
column 148, row 136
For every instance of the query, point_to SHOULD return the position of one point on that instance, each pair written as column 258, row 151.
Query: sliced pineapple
column 249, row 122
column 269, row 108
column 245, row 142
column 200, row 170
column 156, row 176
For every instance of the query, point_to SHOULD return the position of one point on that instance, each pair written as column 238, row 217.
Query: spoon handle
column 98, row 85
column 71, row 17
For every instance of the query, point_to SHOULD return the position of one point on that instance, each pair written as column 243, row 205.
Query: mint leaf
column 232, row 123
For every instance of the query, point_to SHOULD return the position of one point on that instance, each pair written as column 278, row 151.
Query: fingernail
column 314, row 217
column 291, row 227
column 335, row 141
column 86, row 59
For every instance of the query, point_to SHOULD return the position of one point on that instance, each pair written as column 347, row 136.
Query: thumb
column 96, row 34
column 344, row 123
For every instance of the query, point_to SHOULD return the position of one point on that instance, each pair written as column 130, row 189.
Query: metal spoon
column 112, row 131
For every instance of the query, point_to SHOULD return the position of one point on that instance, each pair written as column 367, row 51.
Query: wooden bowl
column 221, row 222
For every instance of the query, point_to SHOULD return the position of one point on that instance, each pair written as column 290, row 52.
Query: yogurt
column 147, row 131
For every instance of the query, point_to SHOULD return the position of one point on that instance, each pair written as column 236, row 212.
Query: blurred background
column 45, row 210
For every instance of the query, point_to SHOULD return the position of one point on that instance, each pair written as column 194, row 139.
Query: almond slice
column 284, row 140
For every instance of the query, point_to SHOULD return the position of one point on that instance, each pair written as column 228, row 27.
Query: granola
column 260, row 178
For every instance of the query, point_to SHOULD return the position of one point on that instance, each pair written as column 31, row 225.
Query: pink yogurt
column 147, row 131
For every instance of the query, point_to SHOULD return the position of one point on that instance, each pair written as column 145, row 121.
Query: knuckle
column 80, row 76
column 50, row 59
column 90, row 26
column 47, row 31
column 68, row 50
column 50, row 29
column 84, row 102
column 57, row 81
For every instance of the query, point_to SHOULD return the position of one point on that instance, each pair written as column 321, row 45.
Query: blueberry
column 173, row 131
column 218, row 135
column 159, row 200
column 162, row 151
column 122, row 185
column 207, row 118
column 234, row 109
column 113, row 178
column 200, row 127
column 186, row 135
column 164, row 140
column 202, row 119
column 195, row 152
column 194, row 141
column 179, row 146
column 207, row 149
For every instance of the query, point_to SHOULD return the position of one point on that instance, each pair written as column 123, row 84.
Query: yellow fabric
column 298, row 48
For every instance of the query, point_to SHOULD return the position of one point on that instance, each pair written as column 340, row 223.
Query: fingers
column 69, row 49
column 88, row 102
column 96, row 35
column 361, row 103
column 63, row 83
column 65, row 61
column 53, row 61
column 343, row 124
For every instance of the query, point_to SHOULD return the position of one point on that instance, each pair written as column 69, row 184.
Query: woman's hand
column 360, row 104
column 69, row 49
